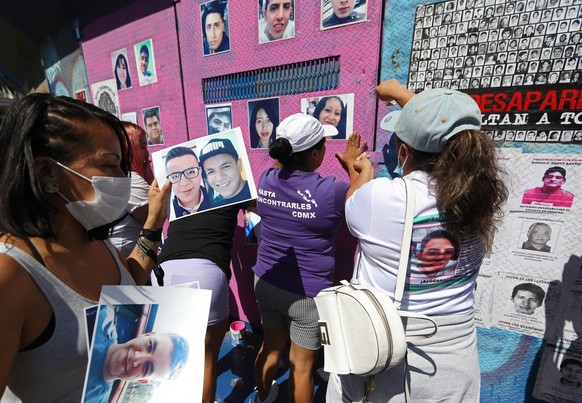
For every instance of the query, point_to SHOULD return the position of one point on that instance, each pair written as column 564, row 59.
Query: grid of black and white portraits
column 496, row 43
column 472, row 44
column 533, row 136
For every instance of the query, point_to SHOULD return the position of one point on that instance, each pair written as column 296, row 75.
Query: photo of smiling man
column 276, row 20
column 206, row 173
column 145, row 357
column 223, row 172
column 184, row 171
column 146, row 65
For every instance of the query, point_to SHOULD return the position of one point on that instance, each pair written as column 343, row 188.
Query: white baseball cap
column 303, row 131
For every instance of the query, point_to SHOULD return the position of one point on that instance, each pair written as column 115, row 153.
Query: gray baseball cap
column 433, row 116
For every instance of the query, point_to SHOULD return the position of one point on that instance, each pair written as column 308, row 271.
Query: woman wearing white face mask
column 64, row 182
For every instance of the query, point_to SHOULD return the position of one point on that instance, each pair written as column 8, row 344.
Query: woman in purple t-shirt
column 300, row 213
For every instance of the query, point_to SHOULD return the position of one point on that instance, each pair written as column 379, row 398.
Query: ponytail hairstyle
column 467, row 182
column 281, row 150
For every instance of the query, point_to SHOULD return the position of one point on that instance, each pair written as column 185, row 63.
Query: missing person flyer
column 148, row 345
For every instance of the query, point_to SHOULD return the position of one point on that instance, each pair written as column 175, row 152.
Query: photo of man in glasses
column 184, row 171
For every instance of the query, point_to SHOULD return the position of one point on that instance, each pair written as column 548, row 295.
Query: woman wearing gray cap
column 458, row 190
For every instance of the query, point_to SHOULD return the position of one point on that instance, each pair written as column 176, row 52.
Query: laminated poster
column 148, row 345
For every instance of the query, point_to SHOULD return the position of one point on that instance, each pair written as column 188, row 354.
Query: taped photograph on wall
column 206, row 173
column 215, row 27
column 276, row 20
column 141, row 351
column 552, row 182
column 145, row 62
column 263, row 121
column 121, row 69
column 335, row 110
column 152, row 124
column 560, row 376
column 520, row 304
column 337, row 13
column 105, row 96
column 129, row 117
column 218, row 118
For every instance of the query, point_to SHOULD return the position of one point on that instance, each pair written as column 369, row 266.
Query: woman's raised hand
column 352, row 152
column 391, row 90
column 157, row 199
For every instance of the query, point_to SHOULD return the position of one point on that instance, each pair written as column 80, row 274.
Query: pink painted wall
column 357, row 45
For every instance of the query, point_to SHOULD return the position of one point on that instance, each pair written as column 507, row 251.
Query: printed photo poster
column 252, row 227
column 337, row 13
column 263, row 122
column 144, row 349
column 206, row 173
column 105, row 96
column 81, row 95
column 121, row 69
column 559, row 378
column 215, row 27
column 520, row 304
column 335, row 110
column 483, row 299
column 90, row 319
column 152, row 123
column 548, row 181
column 568, row 326
column 434, row 256
column 218, row 118
column 276, row 20
column 130, row 117
column 518, row 59
column 145, row 62
column 536, row 244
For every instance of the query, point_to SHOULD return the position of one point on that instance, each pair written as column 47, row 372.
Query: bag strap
column 404, row 251
column 406, row 241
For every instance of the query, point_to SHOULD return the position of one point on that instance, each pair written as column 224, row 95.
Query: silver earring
column 51, row 187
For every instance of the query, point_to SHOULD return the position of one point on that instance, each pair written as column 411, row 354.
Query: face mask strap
column 70, row 170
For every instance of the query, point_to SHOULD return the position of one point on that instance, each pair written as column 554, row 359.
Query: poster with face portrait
column 145, row 62
column 218, row 118
column 337, row 13
column 335, row 110
column 550, row 183
column 121, row 69
column 520, row 304
column 152, row 124
column 142, row 348
column 105, row 96
column 263, row 122
column 568, row 327
column 560, row 375
column 276, row 20
column 206, row 173
column 214, row 20
column 129, row 117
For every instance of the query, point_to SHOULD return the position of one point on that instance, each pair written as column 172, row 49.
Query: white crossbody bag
column 361, row 326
